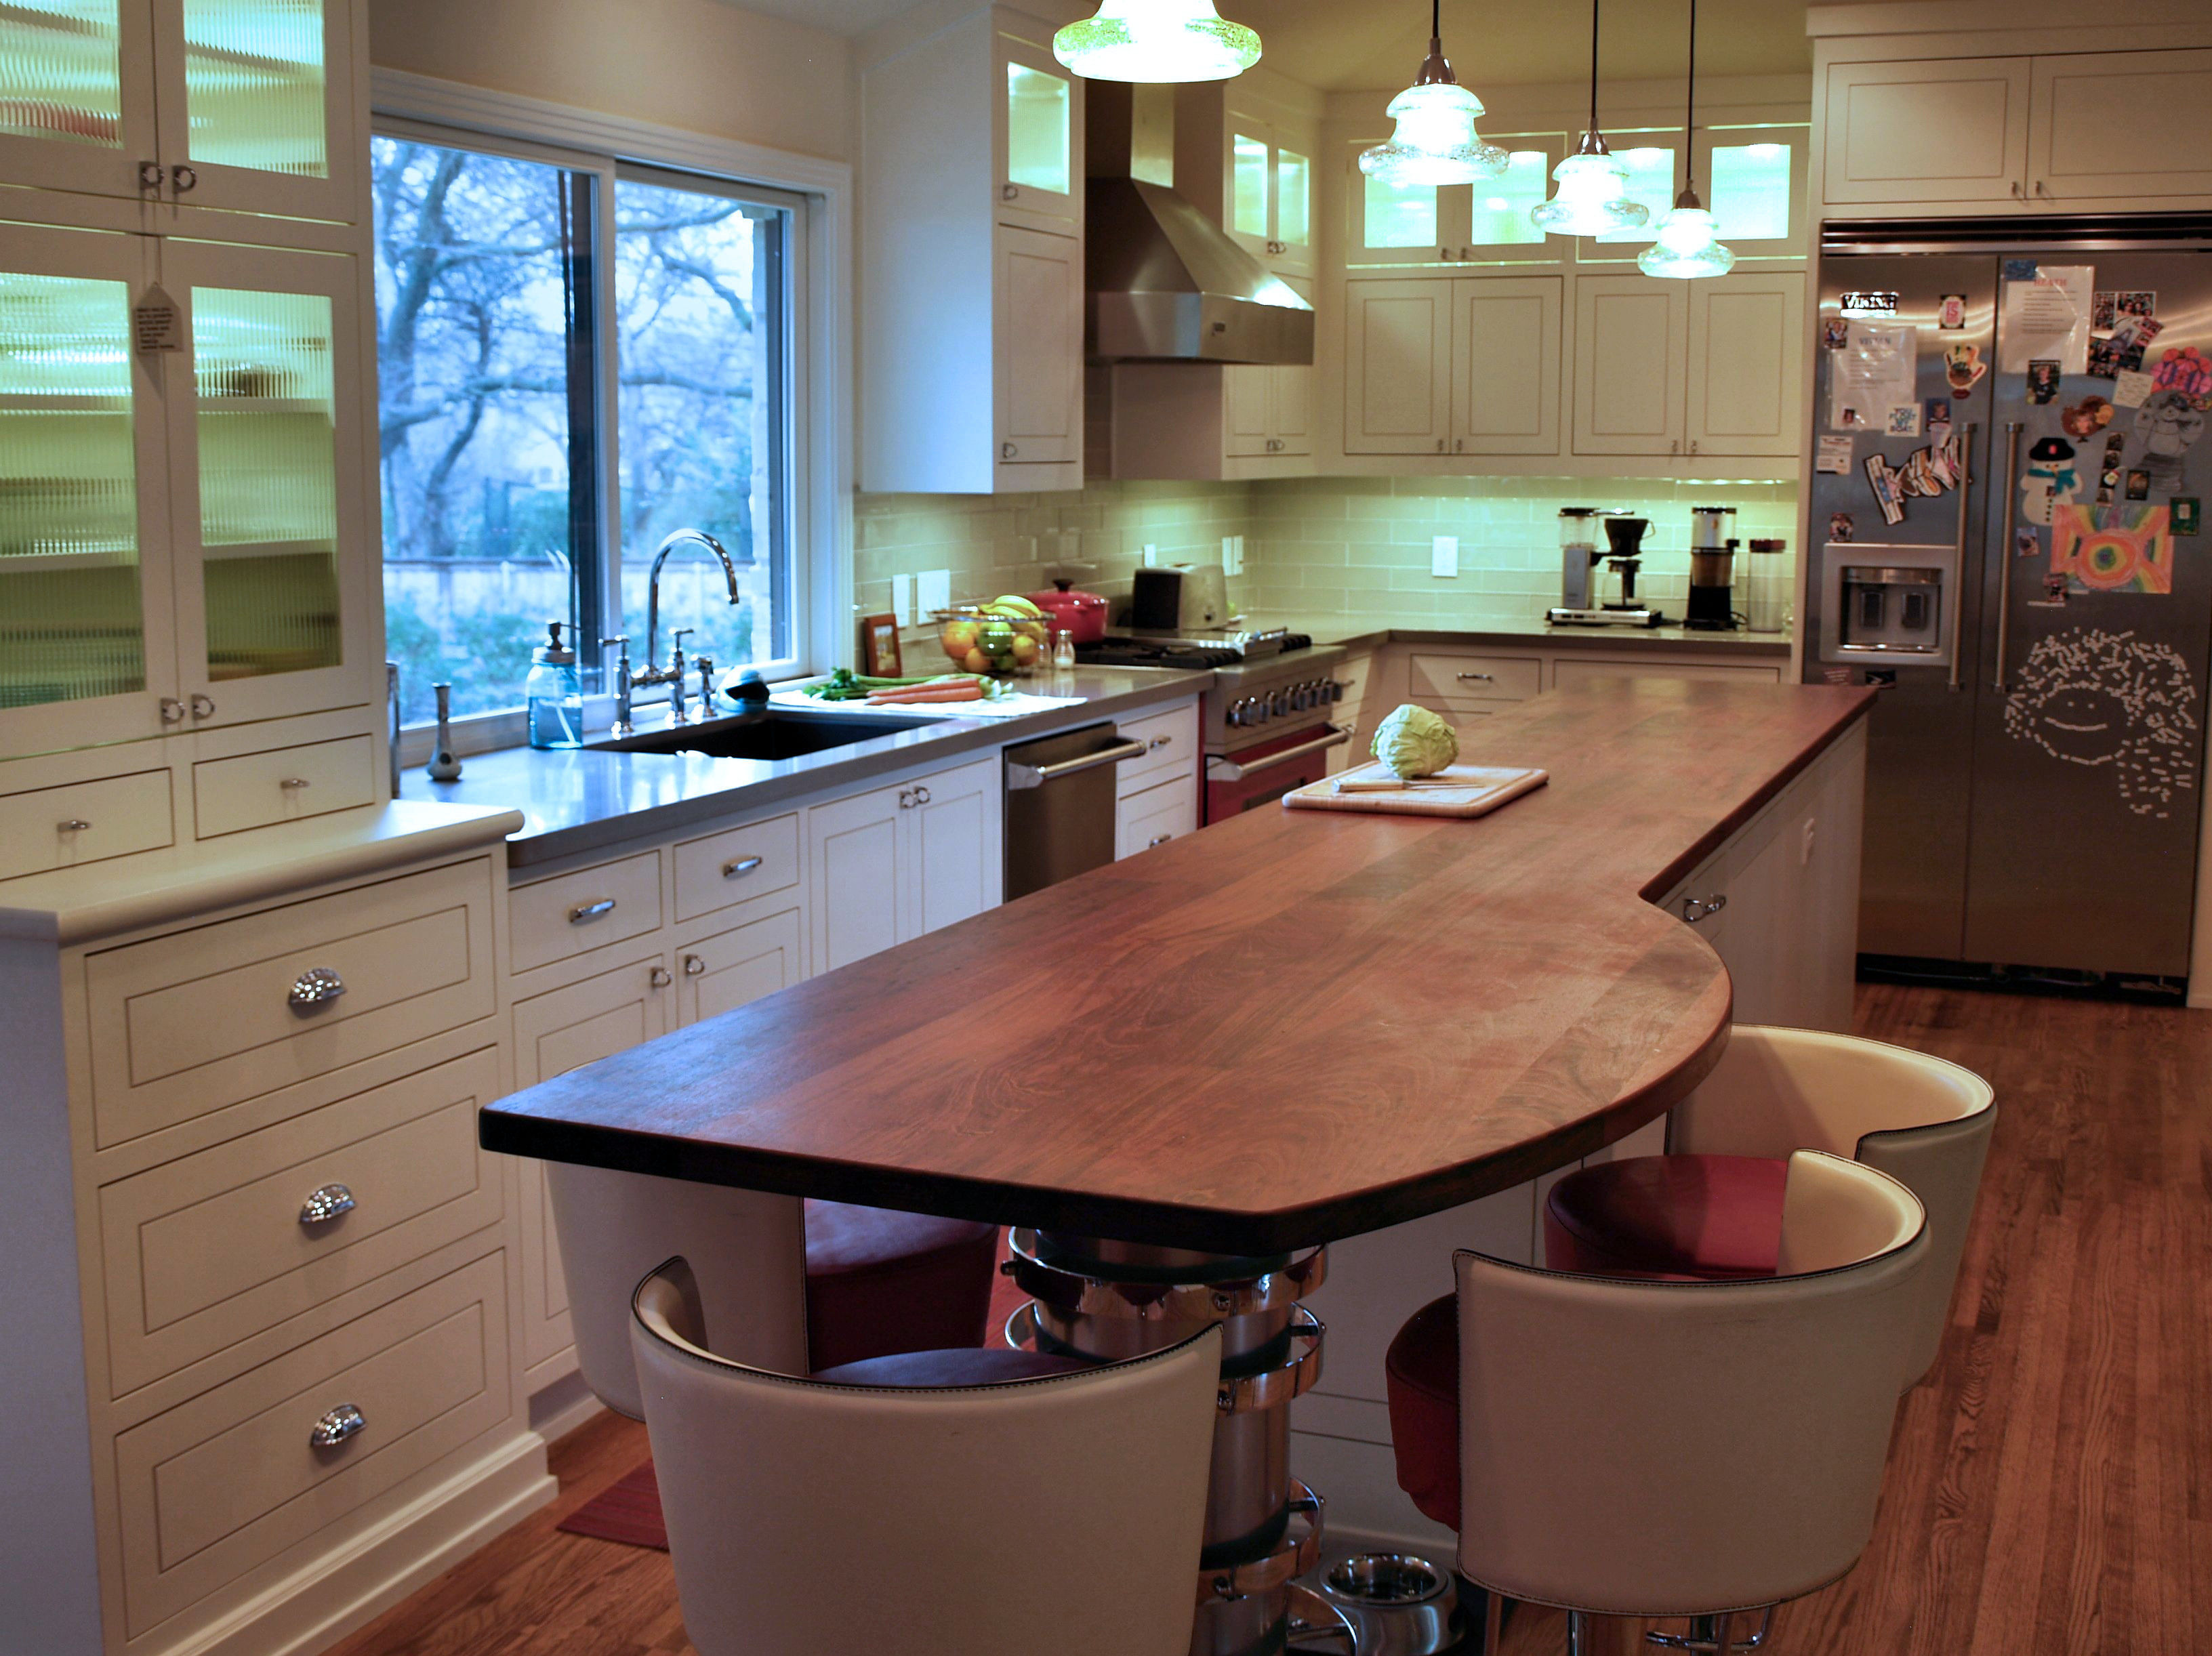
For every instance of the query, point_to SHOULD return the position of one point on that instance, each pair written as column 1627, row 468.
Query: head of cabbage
column 1414, row 742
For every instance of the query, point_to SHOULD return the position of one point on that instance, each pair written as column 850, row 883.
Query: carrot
column 946, row 693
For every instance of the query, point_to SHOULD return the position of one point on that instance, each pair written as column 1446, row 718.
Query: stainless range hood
column 1166, row 284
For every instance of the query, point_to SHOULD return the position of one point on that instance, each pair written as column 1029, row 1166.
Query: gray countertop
column 584, row 800
column 1367, row 635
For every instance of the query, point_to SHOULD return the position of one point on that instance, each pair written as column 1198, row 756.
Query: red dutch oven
column 1081, row 615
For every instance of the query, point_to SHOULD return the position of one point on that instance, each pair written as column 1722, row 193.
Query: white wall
column 697, row 64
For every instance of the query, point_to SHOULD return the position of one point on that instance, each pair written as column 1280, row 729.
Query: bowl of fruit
column 1007, row 636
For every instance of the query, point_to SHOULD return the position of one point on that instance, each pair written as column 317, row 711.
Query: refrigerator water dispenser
column 1885, row 601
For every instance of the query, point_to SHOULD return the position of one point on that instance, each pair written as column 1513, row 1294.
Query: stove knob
column 1275, row 704
column 1335, row 690
column 1235, row 717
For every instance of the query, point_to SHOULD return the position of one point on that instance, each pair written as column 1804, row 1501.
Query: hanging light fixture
column 1434, row 142
column 1158, row 41
column 1689, row 243
column 1592, row 196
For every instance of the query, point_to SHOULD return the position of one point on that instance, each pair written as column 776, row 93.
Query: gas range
column 1201, row 648
column 1256, row 701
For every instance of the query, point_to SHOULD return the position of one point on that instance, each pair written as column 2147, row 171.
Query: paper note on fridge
column 1873, row 373
column 2048, row 319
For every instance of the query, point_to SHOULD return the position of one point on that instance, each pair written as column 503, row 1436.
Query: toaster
column 1181, row 597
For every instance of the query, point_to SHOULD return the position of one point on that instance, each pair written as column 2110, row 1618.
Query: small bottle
column 553, row 695
column 1063, row 651
column 443, row 767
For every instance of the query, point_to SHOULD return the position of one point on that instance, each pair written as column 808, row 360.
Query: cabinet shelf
column 264, row 405
column 241, row 550
column 32, row 402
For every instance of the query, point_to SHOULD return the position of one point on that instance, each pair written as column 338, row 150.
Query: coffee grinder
column 1712, row 570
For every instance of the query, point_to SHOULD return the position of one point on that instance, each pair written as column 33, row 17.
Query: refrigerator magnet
column 2085, row 418
column 2133, row 553
column 2138, row 485
column 1963, row 368
column 1840, row 526
column 2130, row 386
column 2136, row 301
column 1904, row 421
column 1833, row 454
column 2027, row 543
column 2042, row 379
column 2104, row 306
column 1835, row 333
column 2185, row 514
column 2188, row 371
column 2019, row 269
column 1951, row 312
column 1939, row 411
column 2054, row 594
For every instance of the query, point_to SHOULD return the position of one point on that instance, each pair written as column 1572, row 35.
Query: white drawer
column 256, row 789
column 733, row 968
column 85, row 822
column 1170, row 741
column 229, row 1481
column 1458, row 680
column 575, row 913
column 1580, row 670
column 1156, row 816
column 198, row 1020
column 206, row 1251
column 737, row 866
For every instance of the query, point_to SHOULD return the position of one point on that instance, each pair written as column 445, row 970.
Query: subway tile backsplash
column 1356, row 548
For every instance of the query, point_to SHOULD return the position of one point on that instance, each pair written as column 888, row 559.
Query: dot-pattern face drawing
column 2096, row 698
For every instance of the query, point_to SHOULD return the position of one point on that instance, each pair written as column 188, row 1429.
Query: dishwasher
column 1061, row 805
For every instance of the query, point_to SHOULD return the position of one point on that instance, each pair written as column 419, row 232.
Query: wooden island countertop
column 1289, row 1027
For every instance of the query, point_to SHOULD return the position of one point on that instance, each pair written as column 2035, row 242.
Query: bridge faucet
column 653, row 672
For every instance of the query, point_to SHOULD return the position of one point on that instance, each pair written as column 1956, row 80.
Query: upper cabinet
column 240, row 104
column 1243, row 154
column 971, row 259
column 1939, row 131
column 1707, row 369
column 2101, row 125
column 1751, row 175
column 1428, row 224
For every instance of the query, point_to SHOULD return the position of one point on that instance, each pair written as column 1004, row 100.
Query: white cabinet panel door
column 1505, row 365
column 1631, row 360
column 1247, row 410
column 852, row 850
column 2121, row 124
column 1397, row 375
column 720, row 974
column 955, row 865
column 1746, row 349
column 1953, row 130
column 1039, row 347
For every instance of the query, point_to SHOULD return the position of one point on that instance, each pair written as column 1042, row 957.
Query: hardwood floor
column 2050, row 1488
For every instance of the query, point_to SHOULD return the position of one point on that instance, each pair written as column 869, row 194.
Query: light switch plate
column 1443, row 557
column 932, row 590
column 1152, row 556
column 1232, row 555
column 903, row 599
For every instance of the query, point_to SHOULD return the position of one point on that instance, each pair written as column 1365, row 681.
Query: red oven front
column 1263, row 774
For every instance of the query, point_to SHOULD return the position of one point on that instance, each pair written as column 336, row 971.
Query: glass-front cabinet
column 1484, row 223
column 1038, row 138
column 243, row 104
column 1270, row 191
column 1751, row 176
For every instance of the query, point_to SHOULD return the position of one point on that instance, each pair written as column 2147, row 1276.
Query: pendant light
column 1689, row 244
column 1593, row 197
column 1157, row 41
column 1435, row 142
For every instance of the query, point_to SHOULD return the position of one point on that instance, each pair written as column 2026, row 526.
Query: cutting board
column 1454, row 791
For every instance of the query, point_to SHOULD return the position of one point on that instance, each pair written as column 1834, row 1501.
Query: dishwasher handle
column 1019, row 775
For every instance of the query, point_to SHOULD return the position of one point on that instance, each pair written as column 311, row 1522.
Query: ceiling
column 1352, row 45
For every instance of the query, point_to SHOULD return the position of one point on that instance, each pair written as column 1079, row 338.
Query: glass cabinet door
column 1269, row 195
column 257, row 104
column 1038, row 136
column 270, row 518
column 1753, row 178
column 85, row 650
column 76, row 94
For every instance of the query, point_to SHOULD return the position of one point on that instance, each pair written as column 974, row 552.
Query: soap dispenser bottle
column 553, row 695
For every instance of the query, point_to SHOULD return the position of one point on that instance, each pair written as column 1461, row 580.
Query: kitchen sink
column 772, row 733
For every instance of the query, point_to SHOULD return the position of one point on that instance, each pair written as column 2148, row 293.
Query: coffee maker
column 1623, row 560
column 1712, row 570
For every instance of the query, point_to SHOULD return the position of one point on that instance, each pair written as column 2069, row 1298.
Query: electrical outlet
column 1444, row 557
column 903, row 599
column 932, row 590
column 1152, row 556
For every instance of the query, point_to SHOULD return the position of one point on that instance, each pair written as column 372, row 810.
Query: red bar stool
column 901, row 1503
column 875, row 1282
column 1713, row 1208
column 1636, row 1446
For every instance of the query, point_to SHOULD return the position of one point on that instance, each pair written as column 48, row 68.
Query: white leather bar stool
column 1713, row 1206
column 1642, row 1447
column 958, row 1503
column 789, row 1285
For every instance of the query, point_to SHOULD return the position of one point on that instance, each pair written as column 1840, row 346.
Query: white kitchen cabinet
column 2119, row 123
column 1746, row 356
column 1489, row 223
column 1926, row 131
column 721, row 972
column 1631, row 365
column 238, row 104
column 1208, row 421
column 1505, row 353
column 1243, row 154
column 1158, row 815
column 896, row 861
column 1580, row 669
column 971, row 258
column 1397, row 366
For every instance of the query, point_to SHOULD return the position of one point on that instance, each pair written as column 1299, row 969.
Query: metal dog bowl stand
column 1395, row 1603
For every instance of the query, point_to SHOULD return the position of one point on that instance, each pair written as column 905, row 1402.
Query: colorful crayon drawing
column 2134, row 554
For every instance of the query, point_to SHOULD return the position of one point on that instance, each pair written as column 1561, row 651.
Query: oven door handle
column 1019, row 775
column 1219, row 769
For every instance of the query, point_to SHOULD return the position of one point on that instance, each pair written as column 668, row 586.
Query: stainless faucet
column 672, row 674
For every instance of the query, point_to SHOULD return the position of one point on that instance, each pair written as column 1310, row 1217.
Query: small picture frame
column 879, row 646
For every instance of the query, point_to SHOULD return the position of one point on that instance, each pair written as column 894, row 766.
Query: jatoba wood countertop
column 1292, row 1027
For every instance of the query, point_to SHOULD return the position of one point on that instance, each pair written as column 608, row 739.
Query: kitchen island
column 1178, row 1077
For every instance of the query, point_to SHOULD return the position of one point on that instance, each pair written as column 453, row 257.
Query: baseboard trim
column 319, row 1604
column 562, row 1407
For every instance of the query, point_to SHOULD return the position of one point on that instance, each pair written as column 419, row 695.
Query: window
column 576, row 358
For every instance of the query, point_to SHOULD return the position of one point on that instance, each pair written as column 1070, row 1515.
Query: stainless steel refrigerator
column 2005, row 535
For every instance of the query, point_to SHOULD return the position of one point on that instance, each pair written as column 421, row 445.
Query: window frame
column 814, row 346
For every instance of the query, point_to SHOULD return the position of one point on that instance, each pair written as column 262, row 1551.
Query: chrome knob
column 150, row 174
column 73, row 825
column 694, row 966
column 325, row 1204
column 660, row 977
column 335, row 1427
column 202, row 708
column 184, row 178
column 317, row 987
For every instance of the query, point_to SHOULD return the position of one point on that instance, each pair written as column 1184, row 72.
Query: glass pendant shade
column 1435, row 142
column 1592, row 198
column 1158, row 41
column 1688, row 244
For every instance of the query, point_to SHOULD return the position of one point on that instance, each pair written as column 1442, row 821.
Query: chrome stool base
column 1705, row 1633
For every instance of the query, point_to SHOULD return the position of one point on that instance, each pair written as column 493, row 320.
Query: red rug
column 628, row 1511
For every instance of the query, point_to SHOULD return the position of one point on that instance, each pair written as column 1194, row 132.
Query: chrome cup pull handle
column 591, row 911
column 325, row 1204
column 342, row 1423
column 72, row 825
column 317, row 987
column 742, row 867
